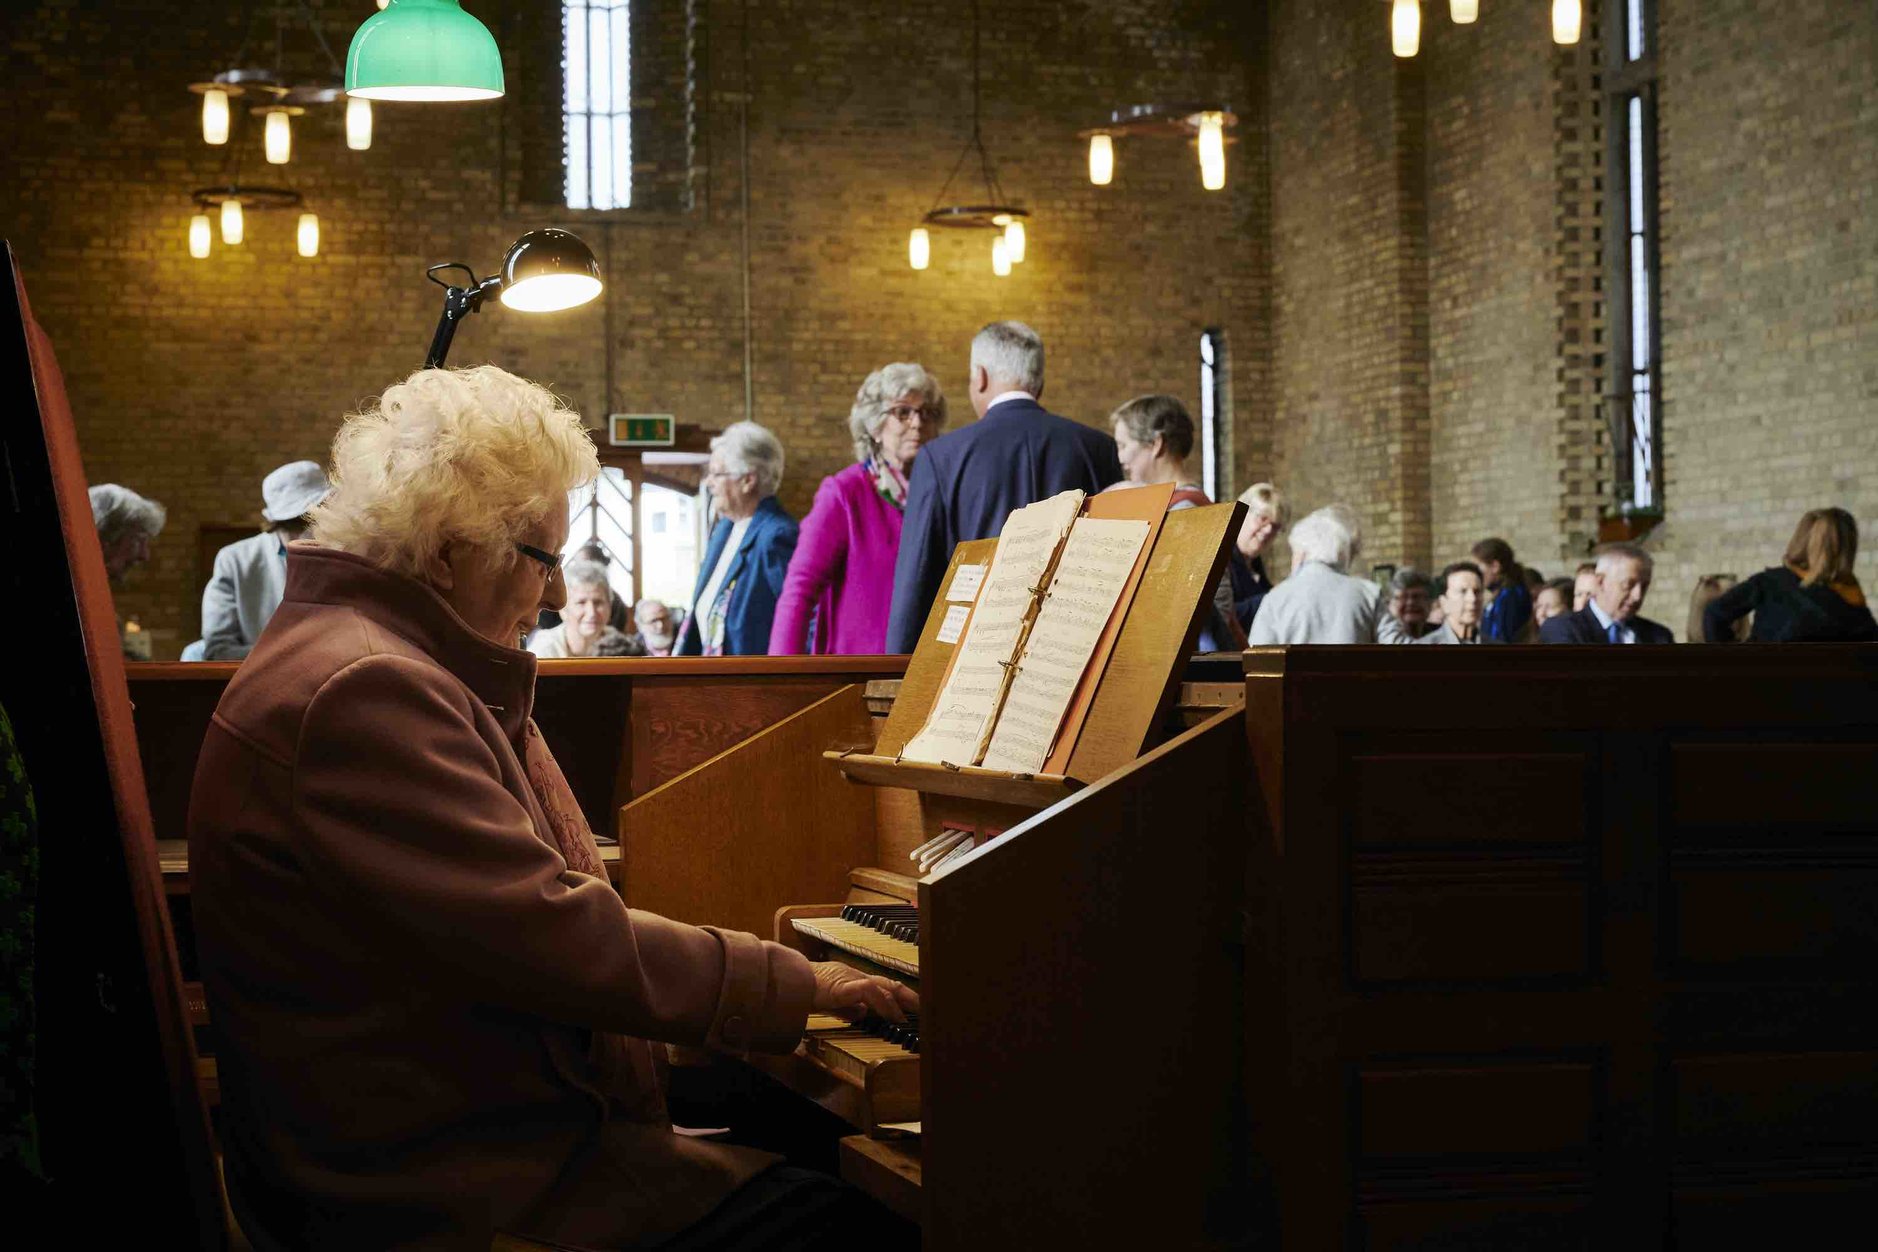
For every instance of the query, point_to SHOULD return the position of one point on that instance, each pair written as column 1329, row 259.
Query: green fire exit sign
column 641, row 430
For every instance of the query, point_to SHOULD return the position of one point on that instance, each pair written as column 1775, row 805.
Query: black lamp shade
column 549, row 269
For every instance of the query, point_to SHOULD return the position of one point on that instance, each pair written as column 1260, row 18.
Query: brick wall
column 1769, row 140
column 1769, row 293
column 190, row 379
column 1404, row 261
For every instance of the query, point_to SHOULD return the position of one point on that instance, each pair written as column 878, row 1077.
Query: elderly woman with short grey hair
column 126, row 523
column 840, row 583
column 434, row 1012
column 1320, row 603
column 741, row 577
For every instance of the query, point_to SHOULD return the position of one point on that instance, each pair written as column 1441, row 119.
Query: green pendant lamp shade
column 423, row 50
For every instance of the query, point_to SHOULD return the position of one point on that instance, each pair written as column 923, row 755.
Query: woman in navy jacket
column 741, row 576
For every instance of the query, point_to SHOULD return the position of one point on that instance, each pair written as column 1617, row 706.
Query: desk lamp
column 544, row 271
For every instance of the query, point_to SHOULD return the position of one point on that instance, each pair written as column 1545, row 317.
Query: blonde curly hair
column 474, row 456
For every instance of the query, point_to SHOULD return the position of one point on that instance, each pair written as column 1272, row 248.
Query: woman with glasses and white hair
column 433, row 1008
column 839, row 588
column 741, row 577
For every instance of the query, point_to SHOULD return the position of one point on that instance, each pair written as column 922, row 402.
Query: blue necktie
column 1615, row 633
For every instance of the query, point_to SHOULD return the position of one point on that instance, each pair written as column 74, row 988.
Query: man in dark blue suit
column 1612, row 616
column 966, row 483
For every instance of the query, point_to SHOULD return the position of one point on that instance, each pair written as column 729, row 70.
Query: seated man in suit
column 966, row 483
column 1612, row 616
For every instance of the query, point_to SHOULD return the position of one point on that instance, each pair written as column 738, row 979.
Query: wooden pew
column 1563, row 947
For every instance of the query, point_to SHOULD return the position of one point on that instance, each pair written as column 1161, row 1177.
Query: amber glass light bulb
column 1101, row 160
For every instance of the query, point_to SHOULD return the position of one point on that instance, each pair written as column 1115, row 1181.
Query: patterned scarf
column 888, row 481
column 572, row 836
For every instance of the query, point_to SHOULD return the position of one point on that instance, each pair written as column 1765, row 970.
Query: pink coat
column 842, row 571
column 431, row 1026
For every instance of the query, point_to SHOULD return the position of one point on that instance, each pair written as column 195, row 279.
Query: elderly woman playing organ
column 433, row 1006
column 839, row 588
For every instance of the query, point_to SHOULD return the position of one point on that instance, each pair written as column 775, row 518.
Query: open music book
column 1054, row 582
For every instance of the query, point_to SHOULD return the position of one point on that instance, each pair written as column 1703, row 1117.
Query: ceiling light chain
column 996, row 213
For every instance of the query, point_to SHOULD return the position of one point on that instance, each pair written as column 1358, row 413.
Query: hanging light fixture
column 199, row 236
column 273, row 84
column 423, row 50
column 232, row 202
column 277, row 134
column 1016, row 240
column 307, row 236
column 358, row 123
column 232, row 224
column 1405, row 27
column 214, row 115
column 1567, row 19
column 1464, row 12
column 1212, row 145
column 994, row 212
column 1206, row 124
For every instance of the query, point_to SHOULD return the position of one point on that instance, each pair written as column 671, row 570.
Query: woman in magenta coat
column 839, row 586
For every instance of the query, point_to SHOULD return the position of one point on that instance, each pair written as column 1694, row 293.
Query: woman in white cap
column 251, row 575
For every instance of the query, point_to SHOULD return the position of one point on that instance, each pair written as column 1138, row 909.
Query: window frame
column 619, row 111
column 1626, row 79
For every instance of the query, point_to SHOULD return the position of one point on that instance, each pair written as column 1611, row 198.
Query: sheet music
column 968, row 703
column 1090, row 576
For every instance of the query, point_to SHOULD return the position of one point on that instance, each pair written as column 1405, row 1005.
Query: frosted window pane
column 597, row 102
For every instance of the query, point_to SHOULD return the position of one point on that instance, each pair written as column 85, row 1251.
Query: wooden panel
column 1078, row 1038
column 1470, row 916
column 677, row 725
column 887, row 1170
column 1175, row 595
column 1530, row 1213
column 1483, row 795
column 1481, row 1109
column 1769, row 1146
column 717, row 846
column 1732, row 785
column 1814, row 909
column 114, row 1079
column 1732, row 1107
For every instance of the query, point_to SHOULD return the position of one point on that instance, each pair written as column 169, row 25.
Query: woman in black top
column 1812, row 598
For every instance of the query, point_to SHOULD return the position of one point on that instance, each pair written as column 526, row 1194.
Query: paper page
column 954, row 624
column 1090, row 576
column 968, row 702
column 965, row 583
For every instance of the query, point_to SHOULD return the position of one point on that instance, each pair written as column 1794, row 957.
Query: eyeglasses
column 709, row 474
column 912, row 413
column 548, row 561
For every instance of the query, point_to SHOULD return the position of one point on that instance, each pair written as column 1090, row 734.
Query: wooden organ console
column 1054, row 1090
